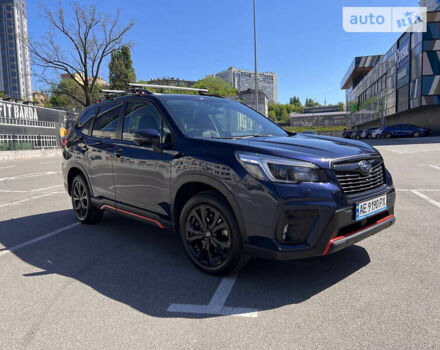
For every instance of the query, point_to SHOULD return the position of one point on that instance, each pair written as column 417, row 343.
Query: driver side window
column 141, row 116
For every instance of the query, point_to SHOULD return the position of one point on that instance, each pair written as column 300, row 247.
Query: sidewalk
column 38, row 153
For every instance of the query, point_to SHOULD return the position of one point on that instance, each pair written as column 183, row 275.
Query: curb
column 40, row 153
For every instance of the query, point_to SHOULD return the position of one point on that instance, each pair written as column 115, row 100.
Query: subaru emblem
column 365, row 166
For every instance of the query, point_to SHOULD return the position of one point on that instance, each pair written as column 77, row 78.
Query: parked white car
column 376, row 133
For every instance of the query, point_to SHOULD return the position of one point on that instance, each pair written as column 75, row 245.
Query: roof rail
column 170, row 87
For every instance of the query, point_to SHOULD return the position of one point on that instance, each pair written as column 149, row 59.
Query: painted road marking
column 46, row 188
column 40, row 238
column 8, row 166
column 217, row 304
column 409, row 151
column 418, row 189
column 25, row 200
column 425, row 197
column 434, row 166
column 25, row 176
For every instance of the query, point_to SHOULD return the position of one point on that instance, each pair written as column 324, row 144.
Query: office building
column 401, row 86
column 245, row 79
column 15, row 70
column 248, row 98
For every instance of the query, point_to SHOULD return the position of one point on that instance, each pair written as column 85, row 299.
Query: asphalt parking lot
column 127, row 285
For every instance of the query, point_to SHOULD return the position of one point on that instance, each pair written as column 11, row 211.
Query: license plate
column 370, row 207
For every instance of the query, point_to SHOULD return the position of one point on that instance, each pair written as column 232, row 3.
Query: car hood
column 317, row 149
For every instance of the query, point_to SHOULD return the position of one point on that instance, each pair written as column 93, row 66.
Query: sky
column 303, row 42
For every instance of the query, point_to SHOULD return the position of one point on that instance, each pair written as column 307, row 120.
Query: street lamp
column 255, row 58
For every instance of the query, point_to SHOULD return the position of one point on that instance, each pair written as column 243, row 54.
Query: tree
column 2, row 95
column 341, row 106
column 216, row 86
column 295, row 100
column 311, row 103
column 78, row 42
column 121, row 71
column 61, row 94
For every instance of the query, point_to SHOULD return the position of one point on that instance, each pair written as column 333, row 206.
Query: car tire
column 82, row 205
column 388, row 135
column 378, row 136
column 210, row 234
column 416, row 134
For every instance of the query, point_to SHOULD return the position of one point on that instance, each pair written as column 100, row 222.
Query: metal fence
column 11, row 142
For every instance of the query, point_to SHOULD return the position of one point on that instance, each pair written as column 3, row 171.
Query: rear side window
column 106, row 122
column 86, row 120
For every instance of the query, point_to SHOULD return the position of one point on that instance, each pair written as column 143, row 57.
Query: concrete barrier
column 38, row 153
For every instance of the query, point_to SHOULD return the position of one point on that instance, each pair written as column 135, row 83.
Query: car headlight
column 278, row 169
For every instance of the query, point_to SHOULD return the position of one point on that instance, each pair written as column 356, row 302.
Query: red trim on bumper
column 354, row 232
column 133, row 214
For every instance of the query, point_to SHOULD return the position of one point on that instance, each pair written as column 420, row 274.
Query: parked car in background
column 366, row 133
column 356, row 134
column 349, row 134
column 309, row 132
column 404, row 130
column 376, row 133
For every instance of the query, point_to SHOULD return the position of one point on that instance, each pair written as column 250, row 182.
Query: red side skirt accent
column 132, row 214
column 354, row 232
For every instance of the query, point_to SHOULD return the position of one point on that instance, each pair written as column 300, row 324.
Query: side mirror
column 146, row 137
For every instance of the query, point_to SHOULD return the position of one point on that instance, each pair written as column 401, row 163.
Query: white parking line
column 419, row 189
column 425, row 197
column 434, row 166
column 8, row 166
column 40, row 238
column 25, row 176
column 25, row 200
column 217, row 304
column 46, row 188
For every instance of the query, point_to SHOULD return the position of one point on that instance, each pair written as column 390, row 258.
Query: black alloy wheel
column 82, row 205
column 80, row 200
column 416, row 134
column 388, row 135
column 210, row 234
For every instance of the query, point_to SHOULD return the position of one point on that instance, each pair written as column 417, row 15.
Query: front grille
column 353, row 182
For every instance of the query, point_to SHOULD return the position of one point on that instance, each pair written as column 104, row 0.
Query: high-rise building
column 15, row 69
column 245, row 79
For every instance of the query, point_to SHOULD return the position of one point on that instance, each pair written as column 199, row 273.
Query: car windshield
column 207, row 117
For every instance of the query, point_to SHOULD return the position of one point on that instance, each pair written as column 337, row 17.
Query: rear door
column 100, row 150
column 142, row 173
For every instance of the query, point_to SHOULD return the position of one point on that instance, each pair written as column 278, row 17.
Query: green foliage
column 216, row 86
column 295, row 100
column 311, row 103
column 121, row 71
column 69, row 94
column 341, row 106
column 2, row 95
column 317, row 129
column 280, row 113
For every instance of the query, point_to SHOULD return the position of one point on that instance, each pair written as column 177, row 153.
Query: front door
column 142, row 173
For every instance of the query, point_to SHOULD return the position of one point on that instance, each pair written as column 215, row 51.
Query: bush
column 317, row 129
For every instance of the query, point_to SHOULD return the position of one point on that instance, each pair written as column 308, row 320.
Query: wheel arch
column 74, row 170
column 186, row 187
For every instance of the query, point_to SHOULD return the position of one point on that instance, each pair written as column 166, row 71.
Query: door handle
column 118, row 152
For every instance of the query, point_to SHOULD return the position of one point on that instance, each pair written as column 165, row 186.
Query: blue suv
column 404, row 130
column 228, row 180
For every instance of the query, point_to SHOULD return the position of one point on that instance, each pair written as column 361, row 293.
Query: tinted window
column 87, row 127
column 106, row 122
column 142, row 115
column 87, row 116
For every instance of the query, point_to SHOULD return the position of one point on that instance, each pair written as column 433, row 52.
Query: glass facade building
column 407, row 77
column 15, row 70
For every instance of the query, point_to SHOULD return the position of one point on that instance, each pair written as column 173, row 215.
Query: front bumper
column 335, row 229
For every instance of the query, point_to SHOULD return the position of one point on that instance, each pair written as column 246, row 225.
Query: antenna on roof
column 155, row 86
